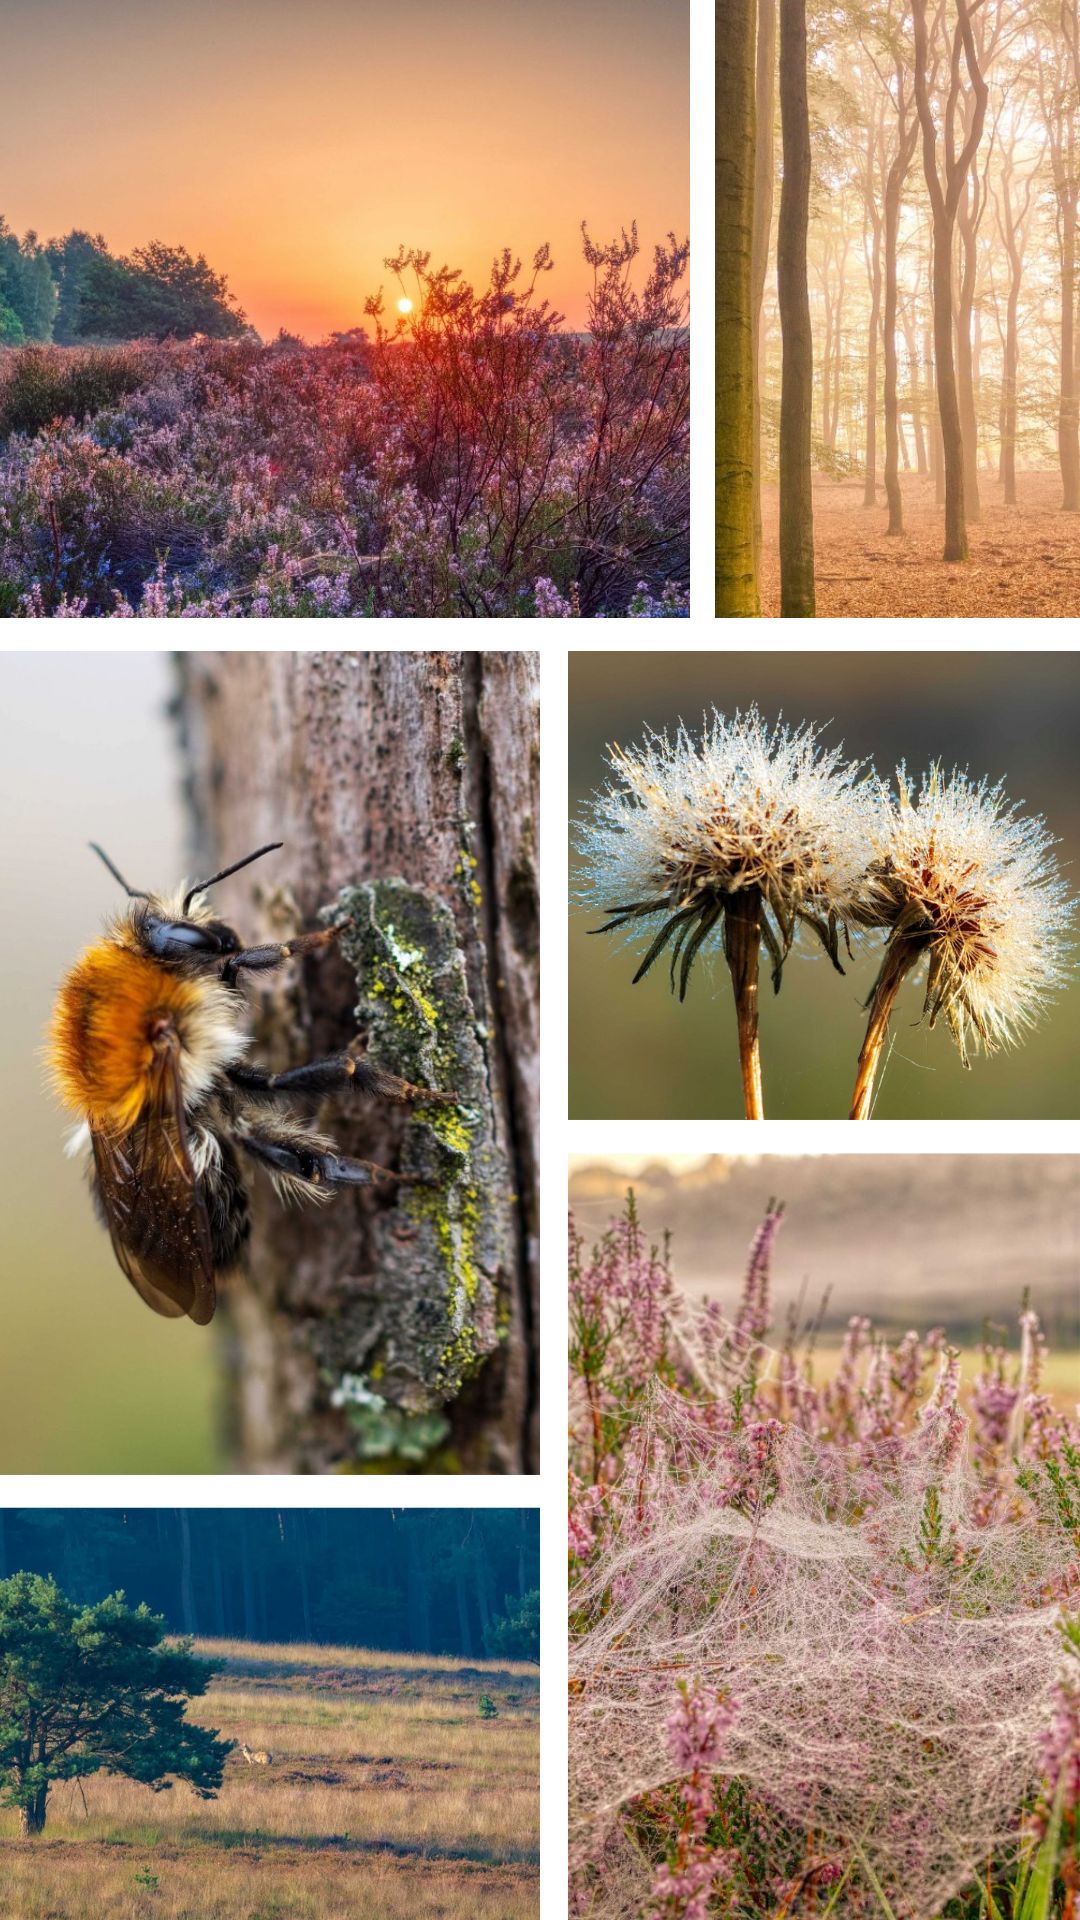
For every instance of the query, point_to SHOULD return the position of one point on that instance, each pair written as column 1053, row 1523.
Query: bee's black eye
column 174, row 939
column 227, row 940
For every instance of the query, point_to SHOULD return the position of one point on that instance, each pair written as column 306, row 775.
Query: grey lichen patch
column 383, row 1434
column 438, row 1253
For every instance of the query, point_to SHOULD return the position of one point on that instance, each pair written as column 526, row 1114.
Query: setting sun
column 404, row 305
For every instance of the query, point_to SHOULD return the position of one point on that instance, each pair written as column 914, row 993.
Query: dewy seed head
column 687, row 825
column 964, row 882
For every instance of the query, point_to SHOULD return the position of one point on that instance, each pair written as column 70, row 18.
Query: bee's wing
column 155, row 1212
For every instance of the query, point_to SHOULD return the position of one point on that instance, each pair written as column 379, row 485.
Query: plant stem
column 742, row 947
column 898, row 962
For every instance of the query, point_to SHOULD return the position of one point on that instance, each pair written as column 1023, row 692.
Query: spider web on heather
column 889, row 1644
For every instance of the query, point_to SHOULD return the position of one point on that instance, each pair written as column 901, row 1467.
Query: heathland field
column 388, row 1796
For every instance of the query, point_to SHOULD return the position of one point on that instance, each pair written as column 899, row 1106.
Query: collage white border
column 559, row 1136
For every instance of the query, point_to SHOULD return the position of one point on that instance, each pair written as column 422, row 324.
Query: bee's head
column 181, row 930
column 184, row 937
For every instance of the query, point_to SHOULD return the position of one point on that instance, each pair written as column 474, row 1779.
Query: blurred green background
column 635, row 1053
column 90, row 1381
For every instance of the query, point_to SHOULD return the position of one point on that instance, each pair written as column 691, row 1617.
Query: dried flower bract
column 748, row 830
column 968, row 885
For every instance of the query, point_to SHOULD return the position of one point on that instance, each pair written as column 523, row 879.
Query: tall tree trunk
column 825, row 360
column 1068, row 417
column 894, row 185
column 952, row 440
column 764, row 122
column 736, row 576
column 1012, row 363
column 937, row 459
column 32, row 1817
column 797, row 384
column 892, row 418
column 874, row 329
column 404, row 786
column 187, row 1587
column 945, row 192
column 464, row 1623
column 247, row 1580
column 965, row 357
column 870, row 478
column 916, row 379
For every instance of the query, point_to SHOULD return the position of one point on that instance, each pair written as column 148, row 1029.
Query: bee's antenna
column 225, row 871
column 133, row 893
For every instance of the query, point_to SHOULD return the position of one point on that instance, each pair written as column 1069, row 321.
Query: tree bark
column 797, row 383
column 736, row 575
column 32, row 1817
column 764, row 120
column 391, row 1327
column 872, row 215
column 915, row 377
column 969, row 216
column 945, row 189
column 894, row 186
column 1068, row 413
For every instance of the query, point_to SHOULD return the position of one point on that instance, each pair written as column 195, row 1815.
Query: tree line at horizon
column 912, row 306
column 456, row 1582
column 75, row 292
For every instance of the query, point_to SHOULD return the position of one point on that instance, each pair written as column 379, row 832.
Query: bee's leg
column 330, row 1076
column 275, row 953
column 296, row 1163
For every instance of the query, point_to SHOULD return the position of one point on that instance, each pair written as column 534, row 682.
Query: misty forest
column 898, row 429
column 449, row 1582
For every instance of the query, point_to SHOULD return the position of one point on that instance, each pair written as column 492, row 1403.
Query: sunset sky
column 298, row 142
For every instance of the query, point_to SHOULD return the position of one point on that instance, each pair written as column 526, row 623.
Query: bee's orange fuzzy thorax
column 100, row 1049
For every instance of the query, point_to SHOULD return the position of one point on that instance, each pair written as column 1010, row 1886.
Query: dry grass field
column 1060, row 1378
column 388, row 1798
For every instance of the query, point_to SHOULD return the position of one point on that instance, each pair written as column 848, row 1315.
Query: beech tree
column 797, row 380
column 95, row 1689
column 946, row 181
column 736, row 572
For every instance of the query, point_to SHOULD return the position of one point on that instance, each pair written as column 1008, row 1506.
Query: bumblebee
column 147, row 1048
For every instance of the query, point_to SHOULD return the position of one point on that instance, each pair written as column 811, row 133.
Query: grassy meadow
column 1060, row 1376
column 388, row 1797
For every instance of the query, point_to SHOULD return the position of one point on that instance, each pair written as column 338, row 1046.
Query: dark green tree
column 12, row 331
column 516, row 1636
column 70, row 260
column 91, row 1689
column 27, row 289
column 157, row 293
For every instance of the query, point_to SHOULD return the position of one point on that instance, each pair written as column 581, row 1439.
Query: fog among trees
column 934, row 255
column 448, row 1581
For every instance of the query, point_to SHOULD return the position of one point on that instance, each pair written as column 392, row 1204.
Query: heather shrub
column 824, row 1649
column 42, row 385
column 476, row 460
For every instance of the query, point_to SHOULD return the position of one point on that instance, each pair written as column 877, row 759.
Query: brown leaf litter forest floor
column 1024, row 559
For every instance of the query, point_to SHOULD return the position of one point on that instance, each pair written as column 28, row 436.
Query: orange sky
column 298, row 142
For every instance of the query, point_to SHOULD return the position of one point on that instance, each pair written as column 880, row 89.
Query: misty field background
column 88, row 1383
column 913, row 1239
column 636, row 1053
column 389, row 1797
